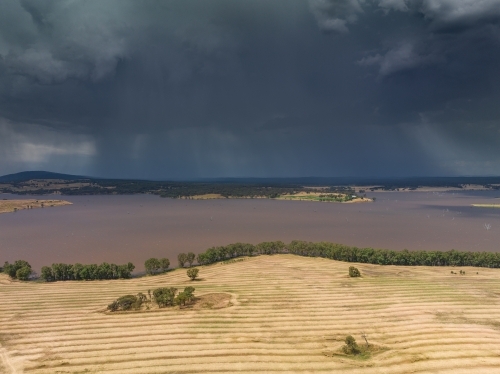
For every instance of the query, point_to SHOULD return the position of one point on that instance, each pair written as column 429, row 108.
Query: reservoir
column 134, row 228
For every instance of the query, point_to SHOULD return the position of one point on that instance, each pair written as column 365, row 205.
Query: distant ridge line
column 28, row 175
column 310, row 180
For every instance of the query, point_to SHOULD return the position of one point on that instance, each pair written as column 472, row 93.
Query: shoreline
column 11, row 206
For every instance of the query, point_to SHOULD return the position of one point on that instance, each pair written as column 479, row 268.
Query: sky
column 186, row 89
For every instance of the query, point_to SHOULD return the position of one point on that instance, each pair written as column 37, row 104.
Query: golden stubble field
column 288, row 315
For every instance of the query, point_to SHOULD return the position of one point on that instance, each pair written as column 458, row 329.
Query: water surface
column 133, row 228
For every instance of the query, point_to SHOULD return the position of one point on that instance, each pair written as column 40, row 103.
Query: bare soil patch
column 213, row 301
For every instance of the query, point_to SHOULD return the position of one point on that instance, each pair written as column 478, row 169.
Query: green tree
column 354, row 272
column 189, row 291
column 152, row 266
column 77, row 269
column 11, row 269
column 192, row 273
column 47, row 274
column 190, row 257
column 182, row 258
column 164, row 264
column 23, row 273
column 181, row 299
column 164, row 296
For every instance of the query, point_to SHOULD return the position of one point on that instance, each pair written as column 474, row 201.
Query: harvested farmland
column 286, row 314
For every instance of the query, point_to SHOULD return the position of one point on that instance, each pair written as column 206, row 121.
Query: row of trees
column 346, row 253
column 63, row 272
column 22, row 269
column 154, row 265
column 223, row 253
column 184, row 258
column 163, row 297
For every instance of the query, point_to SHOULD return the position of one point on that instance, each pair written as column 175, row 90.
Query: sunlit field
column 286, row 314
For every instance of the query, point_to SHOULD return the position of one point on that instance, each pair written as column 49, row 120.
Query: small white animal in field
column 487, row 226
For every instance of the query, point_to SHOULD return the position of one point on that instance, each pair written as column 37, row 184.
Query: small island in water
column 9, row 206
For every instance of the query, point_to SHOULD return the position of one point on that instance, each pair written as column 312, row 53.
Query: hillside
column 31, row 175
column 289, row 314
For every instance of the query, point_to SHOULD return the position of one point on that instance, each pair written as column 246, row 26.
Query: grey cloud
column 188, row 88
column 449, row 13
column 399, row 58
column 335, row 15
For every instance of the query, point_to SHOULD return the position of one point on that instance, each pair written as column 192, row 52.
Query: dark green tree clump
column 164, row 296
column 182, row 258
column 351, row 347
column 64, row 272
column 354, row 272
column 127, row 302
column 20, row 269
column 190, row 257
column 154, row 266
column 192, row 273
column 185, row 297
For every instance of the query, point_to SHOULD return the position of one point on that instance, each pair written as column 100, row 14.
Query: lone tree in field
column 354, row 272
column 182, row 258
column 152, row 266
column 350, row 347
column 190, row 258
column 192, row 273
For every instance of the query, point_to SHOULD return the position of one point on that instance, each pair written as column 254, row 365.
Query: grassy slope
column 289, row 313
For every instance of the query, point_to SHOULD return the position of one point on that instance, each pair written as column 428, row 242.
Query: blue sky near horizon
column 180, row 89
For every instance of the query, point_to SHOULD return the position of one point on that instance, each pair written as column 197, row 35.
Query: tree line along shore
column 22, row 270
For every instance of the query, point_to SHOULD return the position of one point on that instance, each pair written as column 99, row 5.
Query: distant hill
column 28, row 175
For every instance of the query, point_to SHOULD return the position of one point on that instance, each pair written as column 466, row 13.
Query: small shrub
column 354, row 272
column 350, row 347
column 192, row 273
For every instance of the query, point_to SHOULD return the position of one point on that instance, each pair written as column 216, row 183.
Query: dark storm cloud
column 192, row 88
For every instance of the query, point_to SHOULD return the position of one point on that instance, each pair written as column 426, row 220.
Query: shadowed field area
column 287, row 314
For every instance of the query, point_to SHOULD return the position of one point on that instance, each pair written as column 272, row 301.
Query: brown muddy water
column 119, row 229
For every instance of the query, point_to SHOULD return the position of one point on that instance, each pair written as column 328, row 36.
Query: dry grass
column 486, row 205
column 288, row 314
column 316, row 196
column 208, row 196
column 8, row 206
